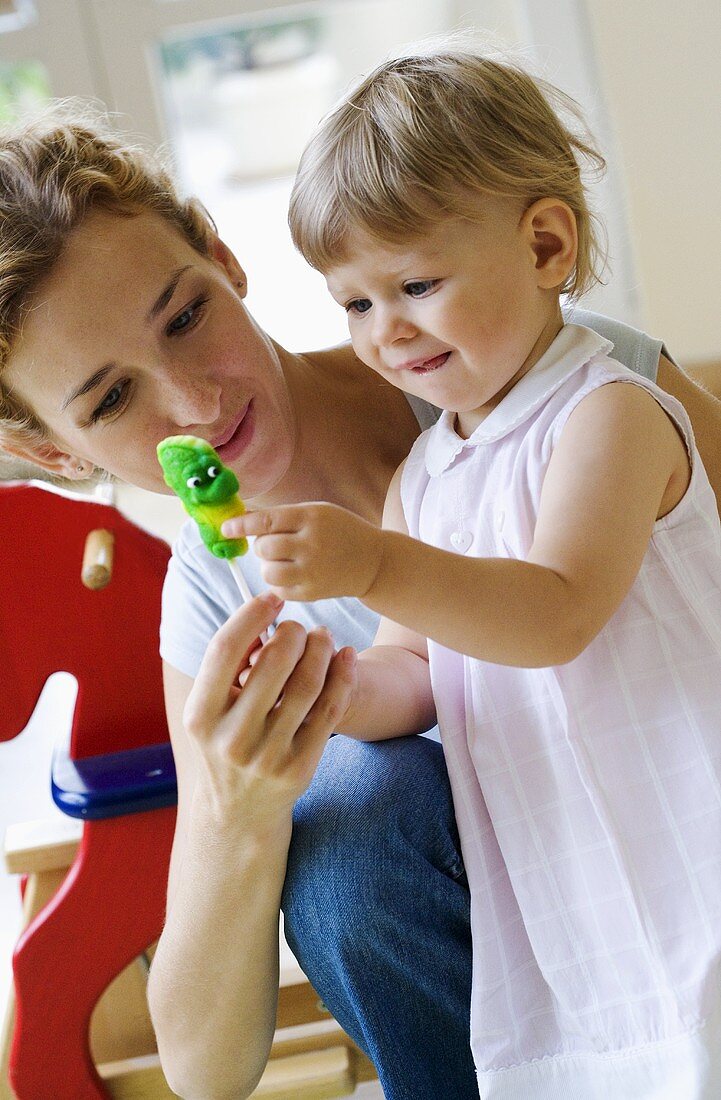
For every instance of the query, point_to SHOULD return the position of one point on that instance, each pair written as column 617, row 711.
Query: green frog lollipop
column 209, row 493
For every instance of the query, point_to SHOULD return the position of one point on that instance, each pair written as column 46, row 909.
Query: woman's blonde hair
column 54, row 169
column 423, row 136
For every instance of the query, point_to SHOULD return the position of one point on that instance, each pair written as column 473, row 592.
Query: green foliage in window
column 22, row 88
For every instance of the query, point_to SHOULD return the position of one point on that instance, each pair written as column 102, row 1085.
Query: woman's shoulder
column 340, row 357
column 342, row 362
column 635, row 349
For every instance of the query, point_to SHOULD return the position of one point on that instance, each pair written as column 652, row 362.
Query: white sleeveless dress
column 588, row 796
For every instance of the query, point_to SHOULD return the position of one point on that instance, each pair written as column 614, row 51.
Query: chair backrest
column 50, row 622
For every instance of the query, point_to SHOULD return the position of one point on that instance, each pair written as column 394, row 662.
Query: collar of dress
column 574, row 346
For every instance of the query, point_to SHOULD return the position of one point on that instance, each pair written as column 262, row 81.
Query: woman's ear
column 550, row 228
column 48, row 457
column 222, row 255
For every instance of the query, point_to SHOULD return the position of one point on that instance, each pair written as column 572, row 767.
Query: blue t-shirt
column 200, row 592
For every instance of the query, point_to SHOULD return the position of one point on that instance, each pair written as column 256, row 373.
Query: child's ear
column 48, row 457
column 222, row 255
column 550, row 228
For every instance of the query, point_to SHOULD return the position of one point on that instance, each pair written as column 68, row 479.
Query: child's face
column 455, row 316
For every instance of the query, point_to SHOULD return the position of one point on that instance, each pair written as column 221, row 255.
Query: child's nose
column 391, row 325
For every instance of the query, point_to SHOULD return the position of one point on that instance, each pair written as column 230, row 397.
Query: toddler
column 548, row 572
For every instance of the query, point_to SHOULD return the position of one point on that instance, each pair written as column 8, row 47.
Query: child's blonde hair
column 54, row 169
column 424, row 136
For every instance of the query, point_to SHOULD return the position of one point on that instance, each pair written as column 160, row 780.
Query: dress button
column 461, row 540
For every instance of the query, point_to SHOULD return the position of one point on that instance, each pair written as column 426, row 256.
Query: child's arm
column 392, row 696
column 619, row 464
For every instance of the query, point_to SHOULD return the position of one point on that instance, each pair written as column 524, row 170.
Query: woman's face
column 134, row 336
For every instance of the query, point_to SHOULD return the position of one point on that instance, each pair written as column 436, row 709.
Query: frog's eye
column 213, row 471
column 193, row 482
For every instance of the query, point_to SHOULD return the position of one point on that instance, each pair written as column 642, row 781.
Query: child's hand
column 312, row 551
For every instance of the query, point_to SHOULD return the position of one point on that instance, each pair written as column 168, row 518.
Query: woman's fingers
column 273, row 665
column 252, row 659
column 291, row 666
column 226, row 655
column 293, row 694
column 324, row 716
column 305, row 682
column 317, row 687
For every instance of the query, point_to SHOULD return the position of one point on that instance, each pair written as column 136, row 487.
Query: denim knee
column 372, row 806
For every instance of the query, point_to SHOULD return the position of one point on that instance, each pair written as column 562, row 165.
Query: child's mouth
column 427, row 366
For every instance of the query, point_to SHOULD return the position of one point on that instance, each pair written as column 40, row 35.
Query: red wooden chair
column 116, row 774
column 86, row 925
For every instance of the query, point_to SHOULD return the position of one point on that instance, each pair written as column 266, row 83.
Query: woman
column 122, row 321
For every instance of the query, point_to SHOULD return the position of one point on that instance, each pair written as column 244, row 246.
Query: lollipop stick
column 240, row 579
column 244, row 590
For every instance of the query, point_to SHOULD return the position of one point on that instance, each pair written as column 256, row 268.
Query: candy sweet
column 207, row 489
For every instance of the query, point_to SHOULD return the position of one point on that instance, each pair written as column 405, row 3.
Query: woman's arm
column 243, row 759
column 619, row 464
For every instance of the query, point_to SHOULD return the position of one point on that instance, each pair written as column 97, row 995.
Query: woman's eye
column 359, row 305
column 420, row 287
column 113, row 401
column 188, row 319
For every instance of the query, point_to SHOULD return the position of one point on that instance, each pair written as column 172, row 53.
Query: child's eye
column 187, row 319
column 420, row 287
column 114, row 400
column 359, row 305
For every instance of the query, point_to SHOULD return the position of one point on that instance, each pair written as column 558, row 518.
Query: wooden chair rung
column 306, row 1065
column 32, row 847
column 313, row 1075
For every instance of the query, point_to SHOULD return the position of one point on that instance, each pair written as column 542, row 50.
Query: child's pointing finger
column 271, row 521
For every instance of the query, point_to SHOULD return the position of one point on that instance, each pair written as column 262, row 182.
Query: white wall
column 659, row 64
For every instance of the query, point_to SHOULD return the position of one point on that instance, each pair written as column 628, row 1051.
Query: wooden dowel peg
column 97, row 566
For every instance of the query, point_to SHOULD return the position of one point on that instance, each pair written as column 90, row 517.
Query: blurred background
column 233, row 88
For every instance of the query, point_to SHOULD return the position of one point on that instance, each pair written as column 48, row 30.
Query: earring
column 80, row 468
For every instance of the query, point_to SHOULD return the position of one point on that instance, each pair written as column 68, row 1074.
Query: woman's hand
column 312, row 551
column 259, row 744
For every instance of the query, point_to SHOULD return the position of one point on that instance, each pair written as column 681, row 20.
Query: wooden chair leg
column 108, row 909
column 39, row 889
column 311, row 1066
column 120, row 1026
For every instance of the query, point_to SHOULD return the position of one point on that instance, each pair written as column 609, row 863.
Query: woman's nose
column 192, row 398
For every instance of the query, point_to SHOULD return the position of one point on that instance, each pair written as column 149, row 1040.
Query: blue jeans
column 376, row 908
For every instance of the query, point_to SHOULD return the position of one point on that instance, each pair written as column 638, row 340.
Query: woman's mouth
column 240, row 436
